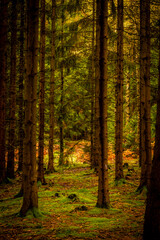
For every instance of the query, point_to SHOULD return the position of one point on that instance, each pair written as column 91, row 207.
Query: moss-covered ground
column 67, row 204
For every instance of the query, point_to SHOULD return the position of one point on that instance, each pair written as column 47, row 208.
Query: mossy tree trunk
column 30, row 192
column 103, row 186
column 3, row 53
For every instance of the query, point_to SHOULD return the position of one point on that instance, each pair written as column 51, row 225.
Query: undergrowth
column 69, row 218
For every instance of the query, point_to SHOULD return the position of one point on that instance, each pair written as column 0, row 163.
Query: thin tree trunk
column 30, row 192
column 61, row 157
column 51, row 131
column 119, row 97
column 152, row 213
column 97, row 77
column 127, row 112
column 21, row 88
column 3, row 50
column 92, row 89
column 12, row 93
column 41, row 96
column 103, row 188
column 145, row 108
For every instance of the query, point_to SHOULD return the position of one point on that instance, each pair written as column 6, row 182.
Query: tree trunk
column 119, row 97
column 145, row 121
column 97, row 77
column 21, row 88
column 61, row 157
column 152, row 213
column 12, row 93
column 92, row 89
column 30, row 192
column 41, row 96
column 51, row 130
column 127, row 112
column 3, row 50
column 103, row 188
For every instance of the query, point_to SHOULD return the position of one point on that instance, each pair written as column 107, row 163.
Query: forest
column 80, row 119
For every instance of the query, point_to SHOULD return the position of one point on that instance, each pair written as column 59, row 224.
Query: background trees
column 74, row 51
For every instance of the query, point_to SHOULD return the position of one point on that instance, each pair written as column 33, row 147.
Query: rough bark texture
column 145, row 119
column 21, row 88
column 12, row 93
column 3, row 50
column 97, row 77
column 61, row 157
column 103, row 188
column 119, row 97
column 152, row 214
column 51, row 130
column 41, row 96
column 30, row 194
column 92, row 88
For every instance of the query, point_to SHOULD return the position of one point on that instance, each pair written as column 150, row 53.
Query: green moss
column 120, row 182
column 34, row 212
column 73, row 231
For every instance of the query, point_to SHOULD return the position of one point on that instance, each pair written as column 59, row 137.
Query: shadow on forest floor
column 68, row 202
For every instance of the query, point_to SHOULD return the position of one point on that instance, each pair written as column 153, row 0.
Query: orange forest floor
column 68, row 201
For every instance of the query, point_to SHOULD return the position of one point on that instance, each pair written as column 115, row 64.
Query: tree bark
column 119, row 97
column 145, row 108
column 51, row 130
column 21, row 88
column 41, row 96
column 97, row 77
column 103, row 188
column 12, row 93
column 61, row 157
column 152, row 213
column 3, row 53
column 92, row 89
column 30, row 192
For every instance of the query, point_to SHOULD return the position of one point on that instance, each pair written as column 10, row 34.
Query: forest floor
column 68, row 204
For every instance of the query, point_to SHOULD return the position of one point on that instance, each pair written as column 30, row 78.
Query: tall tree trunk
column 41, row 96
column 119, row 97
column 61, row 157
column 103, row 188
column 51, row 130
column 97, row 77
column 127, row 112
column 145, row 108
column 12, row 93
column 30, row 192
column 152, row 213
column 3, row 50
column 21, row 88
column 92, row 89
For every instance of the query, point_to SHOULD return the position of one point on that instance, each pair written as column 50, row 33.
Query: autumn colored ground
column 67, row 203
